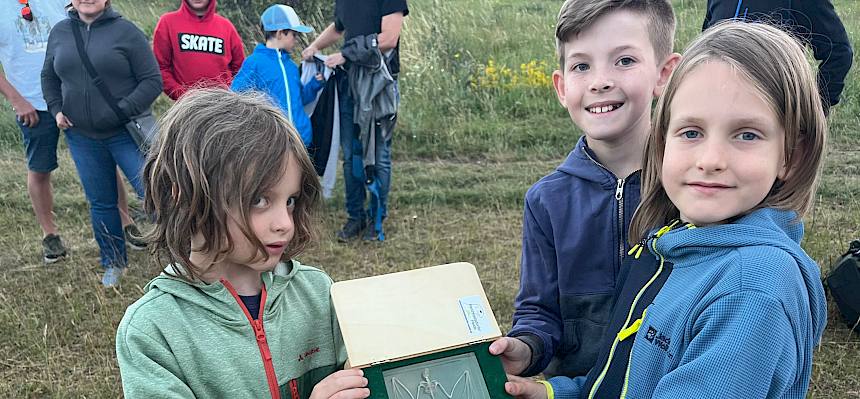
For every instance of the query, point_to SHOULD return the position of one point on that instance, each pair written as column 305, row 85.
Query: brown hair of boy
column 576, row 16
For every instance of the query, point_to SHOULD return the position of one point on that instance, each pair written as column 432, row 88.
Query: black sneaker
column 133, row 237
column 53, row 249
column 351, row 230
column 372, row 235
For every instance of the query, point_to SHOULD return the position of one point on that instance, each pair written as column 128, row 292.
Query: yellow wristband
column 548, row 386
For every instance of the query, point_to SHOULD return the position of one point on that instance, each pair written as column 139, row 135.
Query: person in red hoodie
column 195, row 47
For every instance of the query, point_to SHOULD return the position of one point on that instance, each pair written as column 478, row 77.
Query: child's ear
column 665, row 71
column 558, row 84
column 784, row 169
column 796, row 153
column 783, row 172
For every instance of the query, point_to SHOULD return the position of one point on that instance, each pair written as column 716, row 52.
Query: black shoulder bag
column 844, row 283
column 141, row 127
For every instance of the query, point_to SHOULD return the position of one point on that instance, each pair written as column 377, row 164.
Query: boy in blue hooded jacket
column 615, row 56
column 269, row 69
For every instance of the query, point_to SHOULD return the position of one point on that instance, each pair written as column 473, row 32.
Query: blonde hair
column 217, row 151
column 776, row 66
column 576, row 16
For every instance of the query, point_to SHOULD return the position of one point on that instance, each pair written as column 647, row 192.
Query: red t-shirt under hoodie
column 196, row 51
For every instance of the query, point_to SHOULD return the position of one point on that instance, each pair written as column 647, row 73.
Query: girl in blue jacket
column 729, row 305
column 269, row 69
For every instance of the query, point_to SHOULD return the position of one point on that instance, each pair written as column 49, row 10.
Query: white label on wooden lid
column 477, row 320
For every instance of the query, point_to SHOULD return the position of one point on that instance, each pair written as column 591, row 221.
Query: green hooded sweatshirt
column 183, row 340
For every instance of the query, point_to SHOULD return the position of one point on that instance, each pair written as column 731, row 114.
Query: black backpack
column 844, row 283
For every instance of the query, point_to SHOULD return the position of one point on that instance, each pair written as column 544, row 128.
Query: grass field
column 479, row 125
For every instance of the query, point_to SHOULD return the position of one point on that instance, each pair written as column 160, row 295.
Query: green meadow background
column 479, row 124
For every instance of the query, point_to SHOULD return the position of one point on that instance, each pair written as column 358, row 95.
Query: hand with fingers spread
column 515, row 354
column 525, row 388
column 344, row 384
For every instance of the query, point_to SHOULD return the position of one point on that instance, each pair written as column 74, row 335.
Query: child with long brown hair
column 729, row 305
column 233, row 194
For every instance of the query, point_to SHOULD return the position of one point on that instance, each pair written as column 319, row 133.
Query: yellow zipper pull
column 632, row 329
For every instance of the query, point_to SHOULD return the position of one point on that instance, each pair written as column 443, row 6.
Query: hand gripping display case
column 421, row 334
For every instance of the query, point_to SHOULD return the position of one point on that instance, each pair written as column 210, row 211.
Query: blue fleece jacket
column 262, row 71
column 574, row 239
column 738, row 317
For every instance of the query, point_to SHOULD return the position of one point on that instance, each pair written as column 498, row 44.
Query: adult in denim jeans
column 96, row 135
column 96, row 161
column 358, row 18
column 356, row 192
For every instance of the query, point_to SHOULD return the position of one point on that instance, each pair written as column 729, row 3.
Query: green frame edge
column 491, row 369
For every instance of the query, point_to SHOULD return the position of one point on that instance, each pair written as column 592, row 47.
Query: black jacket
column 812, row 21
column 122, row 57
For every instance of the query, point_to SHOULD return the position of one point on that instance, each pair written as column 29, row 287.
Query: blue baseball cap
column 279, row 16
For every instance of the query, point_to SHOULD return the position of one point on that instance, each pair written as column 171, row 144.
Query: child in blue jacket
column 730, row 305
column 614, row 57
column 269, row 69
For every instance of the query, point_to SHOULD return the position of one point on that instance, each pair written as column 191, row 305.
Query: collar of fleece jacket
column 765, row 227
column 216, row 299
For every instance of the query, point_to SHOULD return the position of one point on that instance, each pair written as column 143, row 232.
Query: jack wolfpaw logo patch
column 660, row 340
column 651, row 334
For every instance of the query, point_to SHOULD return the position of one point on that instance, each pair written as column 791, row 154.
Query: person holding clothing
column 383, row 18
column 96, row 136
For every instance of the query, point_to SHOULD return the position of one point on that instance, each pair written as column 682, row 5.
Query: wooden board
column 400, row 315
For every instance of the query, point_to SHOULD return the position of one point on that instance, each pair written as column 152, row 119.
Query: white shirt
column 23, row 44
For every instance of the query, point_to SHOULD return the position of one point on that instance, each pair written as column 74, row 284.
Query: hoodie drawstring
column 663, row 230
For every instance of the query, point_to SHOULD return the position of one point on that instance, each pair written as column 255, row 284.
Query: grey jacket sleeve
column 146, row 72
column 51, row 90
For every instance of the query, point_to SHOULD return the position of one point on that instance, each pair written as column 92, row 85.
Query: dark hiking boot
column 372, row 235
column 351, row 230
column 53, row 249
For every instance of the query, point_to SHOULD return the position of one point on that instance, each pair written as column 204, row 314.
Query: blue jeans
column 96, row 161
column 356, row 193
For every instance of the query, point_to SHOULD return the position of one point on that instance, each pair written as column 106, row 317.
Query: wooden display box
column 422, row 333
